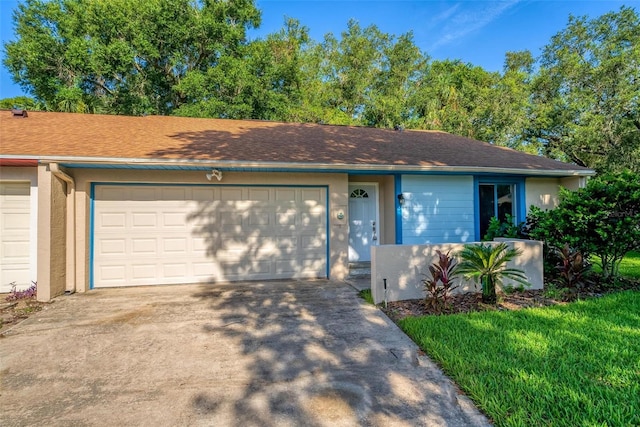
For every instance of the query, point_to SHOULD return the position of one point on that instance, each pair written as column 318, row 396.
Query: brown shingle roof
column 66, row 135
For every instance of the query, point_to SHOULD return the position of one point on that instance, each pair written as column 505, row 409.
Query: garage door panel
column 175, row 221
column 177, row 271
column 144, row 220
column 110, row 273
column 111, row 220
column 189, row 234
column 108, row 247
column 261, row 218
column 205, row 270
column 145, row 193
column 15, row 234
column 202, row 195
column 230, row 194
column 144, row 272
column 259, row 194
column 174, row 245
column 175, row 194
column 14, row 222
column 144, row 246
column 286, row 195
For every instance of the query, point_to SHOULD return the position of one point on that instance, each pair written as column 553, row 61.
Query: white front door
column 363, row 222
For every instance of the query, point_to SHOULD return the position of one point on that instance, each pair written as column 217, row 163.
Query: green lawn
column 570, row 365
column 630, row 265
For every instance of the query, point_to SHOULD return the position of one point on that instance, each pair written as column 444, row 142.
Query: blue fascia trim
column 92, row 212
column 372, row 171
column 398, row 190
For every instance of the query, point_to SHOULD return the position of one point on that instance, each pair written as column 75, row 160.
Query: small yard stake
column 385, row 292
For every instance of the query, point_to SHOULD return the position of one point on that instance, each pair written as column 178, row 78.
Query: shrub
column 441, row 282
column 487, row 265
column 15, row 295
column 506, row 228
column 573, row 269
column 601, row 219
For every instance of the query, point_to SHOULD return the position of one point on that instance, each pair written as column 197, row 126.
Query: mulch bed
column 516, row 300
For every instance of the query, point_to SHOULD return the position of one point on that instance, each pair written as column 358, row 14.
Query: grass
column 365, row 294
column 629, row 266
column 571, row 365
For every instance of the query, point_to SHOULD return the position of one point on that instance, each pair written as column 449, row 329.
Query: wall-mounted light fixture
column 214, row 172
column 401, row 199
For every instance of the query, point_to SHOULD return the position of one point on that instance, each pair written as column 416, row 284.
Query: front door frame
column 376, row 186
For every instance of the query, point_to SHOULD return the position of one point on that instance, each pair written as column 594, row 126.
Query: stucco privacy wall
column 437, row 209
column 30, row 175
column 404, row 266
column 338, row 237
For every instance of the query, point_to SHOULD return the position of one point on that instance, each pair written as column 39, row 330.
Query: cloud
column 466, row 18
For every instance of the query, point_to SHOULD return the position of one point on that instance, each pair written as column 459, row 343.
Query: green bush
column 506, row 228
column 602, row 219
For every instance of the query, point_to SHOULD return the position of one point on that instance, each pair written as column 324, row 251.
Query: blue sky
column 475, row 31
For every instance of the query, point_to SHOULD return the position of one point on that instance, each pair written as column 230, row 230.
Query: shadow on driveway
column 286, row 353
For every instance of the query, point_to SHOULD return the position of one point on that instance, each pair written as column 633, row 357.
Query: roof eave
column 299, row 166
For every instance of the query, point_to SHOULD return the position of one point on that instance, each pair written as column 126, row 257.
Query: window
column 359, row 193
column 495, row 200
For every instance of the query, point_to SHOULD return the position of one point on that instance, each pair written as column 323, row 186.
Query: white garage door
column 14, row 235
column 146, row 234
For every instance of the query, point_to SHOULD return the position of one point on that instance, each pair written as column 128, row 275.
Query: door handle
column 374, row 236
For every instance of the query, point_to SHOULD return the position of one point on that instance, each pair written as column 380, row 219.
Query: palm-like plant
column 486, row 264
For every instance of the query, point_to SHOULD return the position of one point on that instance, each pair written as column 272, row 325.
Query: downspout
column 71, row 227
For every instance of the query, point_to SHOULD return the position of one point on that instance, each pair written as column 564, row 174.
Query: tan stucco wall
column 544, row 192
column 573, row 182
column 337, row 192
column 386, row 209
column 51, row 235
column 404, row 266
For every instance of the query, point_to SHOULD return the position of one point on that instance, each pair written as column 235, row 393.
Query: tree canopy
column 586, row 96
column 122, row 56
column 579, row 101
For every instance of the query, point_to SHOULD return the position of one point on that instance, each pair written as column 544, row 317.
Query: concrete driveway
column 295, row 353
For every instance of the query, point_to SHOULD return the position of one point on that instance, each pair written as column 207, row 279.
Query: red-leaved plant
column 441, row 283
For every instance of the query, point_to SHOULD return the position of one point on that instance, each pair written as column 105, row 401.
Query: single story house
column 90, row 201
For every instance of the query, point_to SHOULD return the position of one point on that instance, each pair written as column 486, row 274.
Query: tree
column 454, row 97
column 23, row 102
column 261, row 81
column 346, row 70
column 602, row 219
column 395, row 83
column 586, row 97
column 509, row 104
column 121, row 56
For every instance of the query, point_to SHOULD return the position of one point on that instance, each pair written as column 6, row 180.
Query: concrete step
column 360, row 270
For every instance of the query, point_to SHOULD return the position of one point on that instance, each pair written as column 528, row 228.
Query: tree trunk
column 489, row 290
